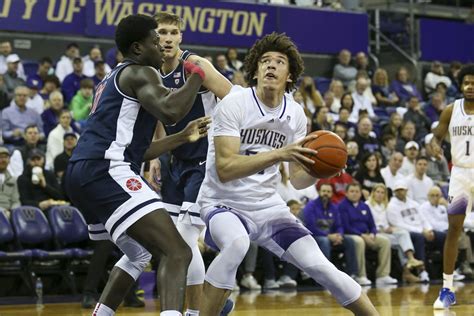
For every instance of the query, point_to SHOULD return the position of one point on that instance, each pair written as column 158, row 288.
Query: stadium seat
column 30, row 67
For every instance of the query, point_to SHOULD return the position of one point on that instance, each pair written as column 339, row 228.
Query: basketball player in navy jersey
column 183, row 170
column 103, row 174
column 457, row 120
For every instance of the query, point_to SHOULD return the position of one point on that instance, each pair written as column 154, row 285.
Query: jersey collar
column 283, row 108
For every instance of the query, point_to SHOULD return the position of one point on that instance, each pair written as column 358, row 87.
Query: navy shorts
column 110, row 195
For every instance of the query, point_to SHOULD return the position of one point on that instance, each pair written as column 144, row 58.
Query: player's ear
column 136, row 48
column 288, row 79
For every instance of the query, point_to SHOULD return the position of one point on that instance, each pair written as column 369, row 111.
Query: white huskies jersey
column 461, row 131
column 260, row 129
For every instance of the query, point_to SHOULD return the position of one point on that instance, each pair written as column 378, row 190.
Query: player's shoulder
column 294, row 107
column 237, row 93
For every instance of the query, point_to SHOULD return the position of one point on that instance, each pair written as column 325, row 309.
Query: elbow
column 223, row 175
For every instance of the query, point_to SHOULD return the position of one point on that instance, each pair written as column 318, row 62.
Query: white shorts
column 188, row 213
column 461, row 190
column 273, row 228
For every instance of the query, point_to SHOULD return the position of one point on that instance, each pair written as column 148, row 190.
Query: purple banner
column 206, row 22
column 446, row 41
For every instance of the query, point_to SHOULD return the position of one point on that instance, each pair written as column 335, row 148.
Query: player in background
column 254, row 130
column 103, row 178
column 182, row 171
column 457, row 120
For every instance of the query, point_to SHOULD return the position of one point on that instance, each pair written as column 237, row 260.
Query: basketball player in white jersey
column 458, row 120
column 254, row 130
column 182, row 174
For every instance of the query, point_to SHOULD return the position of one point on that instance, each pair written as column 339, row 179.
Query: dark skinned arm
column 442, row 129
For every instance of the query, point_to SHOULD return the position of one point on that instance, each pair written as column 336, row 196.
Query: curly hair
column 467, row 70
column 274, row 42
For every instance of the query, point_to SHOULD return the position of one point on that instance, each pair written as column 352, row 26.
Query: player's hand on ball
column 197, row 129
column 296, row 152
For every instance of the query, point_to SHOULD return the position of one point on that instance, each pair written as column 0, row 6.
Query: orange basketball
column 331, row 157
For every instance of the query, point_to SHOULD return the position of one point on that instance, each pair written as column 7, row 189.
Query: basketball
column 331, row 157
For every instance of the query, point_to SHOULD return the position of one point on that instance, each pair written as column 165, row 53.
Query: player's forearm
column 179, row 102
column 163, row 145
column 240, row 166
column 299, row 178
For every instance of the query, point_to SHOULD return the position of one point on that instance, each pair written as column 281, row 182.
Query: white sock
column 448, row 281
column 191, row 312
column 170, row 313
column 102, row 310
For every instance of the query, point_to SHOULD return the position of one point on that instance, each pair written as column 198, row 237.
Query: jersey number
column 250, row 153
column 98, row 92
column 467, row 148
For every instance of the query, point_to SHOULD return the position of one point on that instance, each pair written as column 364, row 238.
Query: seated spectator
column 71, row 83
column 435, row 107
column 442, row 89
column 416, row 115
column 343, row 71
column 337, row 88
column 412, row 150
column 11, row 78
column 339, row 184
column 361, row 101
column 343, row 119
column 388, row 146
column 45, row 65
column 359, row 225
column 399, row 238
column 454, row 91
column 239, row 79
column 39, row 187
column 95, row 55
column 438, row 169
column 367, row 143
column 381, row 89
column 82, row 102
column 50, row 117
column 341, row 131
column 368, row 90
column 16, row 166
column 362, row 63
column 352, row 160
column 223, row 68
column 64, row 66
column 391, row 173
column 61, row 161
column 311, row 97
column 403, row 87
column 418, row 182
column 17, row 117
column 368, row 174
column 407, row 134
column 321, row 217
column 347, row 101
column 51, row 84
column 100, row 72
column 435, row 76
column 321, row 120
column 9, row 196
column 232, row 60
column 35, row 101
column 55, row 144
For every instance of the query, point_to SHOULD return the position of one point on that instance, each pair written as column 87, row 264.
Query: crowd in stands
column 392, row 195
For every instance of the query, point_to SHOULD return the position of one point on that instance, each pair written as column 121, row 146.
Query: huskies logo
column 133, row 184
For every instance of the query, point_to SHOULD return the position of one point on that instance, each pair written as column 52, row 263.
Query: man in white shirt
column 361, row 101
column 435, row 210
column 412, row 149
column 418, row 182
column 35, row 101
column 64, row 65
column 435, row 76
column 5, row 50
column 391, row 172
column 89, row 61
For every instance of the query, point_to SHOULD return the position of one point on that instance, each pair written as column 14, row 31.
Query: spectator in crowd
column 403, row 87
column 35, row 101
column 337, row 88
column 89, row 61
column 50, row 84
column 45, row 65
column 4, row 97
column 9, row 196
column 416, row 115
column 341, row 131
column 438, row 169
column 64, row 66
column 16, row 166
column 55, row 144
column 407, row 134
column 5, row 51
column 361, row 101
column 368, row 174
column 311, row 97
column 388, row 146
column 321, row 119
column 32, row 141
column 359, row 225
column 339, row 184
column 239, row 79
column 11, row 78
column 364, row 137
column 442, row 89
column 368, row 90
column 352, row 154
column 435, row 107
column 50, row 116
column 412, row 150
column 343, row 119
column 100, row 72
column 362, row 63
column 383, row 94
column 17, row 117
column 394, row 125
column 321, row 217
column 435, row 76
column 71, row 83
column 233, row 61
column 39, row 187
column 418, row 182
column 223, row 68
column 61, row 161
column 347, row 101
column 399, row 238
column 343, row 71
column 391, row 173
column 454, row 69
column 82, row 102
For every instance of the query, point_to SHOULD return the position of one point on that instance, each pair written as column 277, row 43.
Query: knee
column 182, row 254
column 239, row 247
column 358, row 242
column 135, row 265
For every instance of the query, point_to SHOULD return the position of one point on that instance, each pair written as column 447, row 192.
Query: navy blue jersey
column 118, row 129
column 204, row 104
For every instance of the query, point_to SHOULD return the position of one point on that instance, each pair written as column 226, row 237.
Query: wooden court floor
column 413, row 300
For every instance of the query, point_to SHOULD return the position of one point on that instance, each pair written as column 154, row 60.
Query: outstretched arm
column 214, row 81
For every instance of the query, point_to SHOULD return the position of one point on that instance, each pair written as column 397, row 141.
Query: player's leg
column 230, row 236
